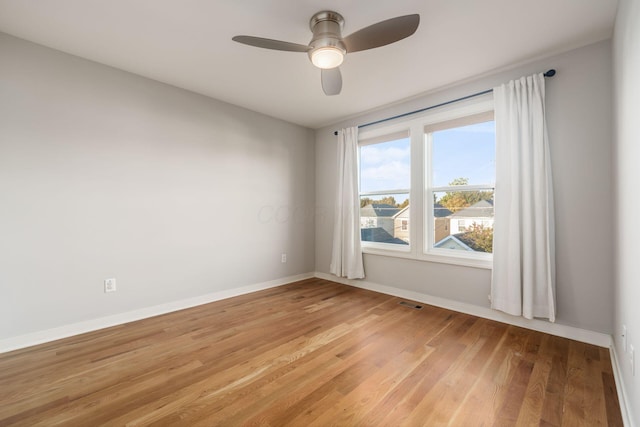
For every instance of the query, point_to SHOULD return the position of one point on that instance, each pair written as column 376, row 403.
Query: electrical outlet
column 632, row 360
column 109, row 285
column 284, row 258
column 624, row 337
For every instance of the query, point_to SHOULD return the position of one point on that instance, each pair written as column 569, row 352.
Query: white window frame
column 421, row 202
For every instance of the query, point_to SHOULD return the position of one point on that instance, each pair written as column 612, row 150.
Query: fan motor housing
column 327, row 31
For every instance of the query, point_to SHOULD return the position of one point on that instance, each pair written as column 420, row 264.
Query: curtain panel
column 523, row 278
column 346, row 257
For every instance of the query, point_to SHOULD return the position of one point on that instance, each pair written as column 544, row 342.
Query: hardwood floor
column 311, row 353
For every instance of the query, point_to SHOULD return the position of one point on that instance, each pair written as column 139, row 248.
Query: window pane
column 464, row 155
column 385, row 166
column 384, row 190
column 463, row 220
column 385, row 218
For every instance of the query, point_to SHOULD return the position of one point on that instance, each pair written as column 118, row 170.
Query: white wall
column 579, row 119
column 626, row 62
column 107, row 174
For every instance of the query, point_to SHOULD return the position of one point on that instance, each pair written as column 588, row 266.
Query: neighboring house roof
column 379, row 210
column 440, row 211
column 380, row 235
column 481, row 209
column 452, row 242
column 464, row 238
column 404, row 213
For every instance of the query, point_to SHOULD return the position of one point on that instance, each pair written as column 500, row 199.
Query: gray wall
column 579, row 119
column 107, row 174
column 626, row 54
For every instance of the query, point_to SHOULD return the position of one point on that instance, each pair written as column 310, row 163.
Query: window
column 427, row 184
column 461, row 178
column 384, row 191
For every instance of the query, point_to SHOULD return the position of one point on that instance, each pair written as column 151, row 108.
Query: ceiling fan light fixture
column 327, row 57
column 327, row 47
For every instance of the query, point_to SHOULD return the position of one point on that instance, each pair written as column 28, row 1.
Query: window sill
column 397, row 253
column 481, row 261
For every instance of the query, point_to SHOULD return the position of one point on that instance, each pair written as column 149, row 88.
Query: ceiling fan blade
column 382, row 33
column 331, row 81
column 271, row 44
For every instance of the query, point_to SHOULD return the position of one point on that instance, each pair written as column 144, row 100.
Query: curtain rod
column 549, row 73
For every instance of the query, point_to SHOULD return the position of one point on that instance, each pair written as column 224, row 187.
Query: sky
column 385, row 166
column 467, row 152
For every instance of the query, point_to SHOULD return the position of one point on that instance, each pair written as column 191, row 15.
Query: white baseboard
column 582, row 335
column 27, row 340
column 622, row 395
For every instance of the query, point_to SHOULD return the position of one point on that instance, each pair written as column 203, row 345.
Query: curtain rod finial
column 335, row 132
column 550, row 73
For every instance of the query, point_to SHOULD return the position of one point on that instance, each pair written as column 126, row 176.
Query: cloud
column 385, row 166
column 388, row 176
column 376, row 154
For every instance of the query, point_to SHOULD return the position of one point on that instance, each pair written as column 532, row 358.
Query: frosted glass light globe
column 327, row 57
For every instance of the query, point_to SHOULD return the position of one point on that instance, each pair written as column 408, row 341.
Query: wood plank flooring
column 311, row 353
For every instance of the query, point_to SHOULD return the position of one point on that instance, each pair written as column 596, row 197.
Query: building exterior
column 441, row 223
column 387, row 224
column 401, row 224
column 379, row 215
column 480, row 213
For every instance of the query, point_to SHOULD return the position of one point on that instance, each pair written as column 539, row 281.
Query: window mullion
column 416, row 212
column 385, row 192
column 464, row 187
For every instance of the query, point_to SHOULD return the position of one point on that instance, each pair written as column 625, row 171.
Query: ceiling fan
column 328, row 48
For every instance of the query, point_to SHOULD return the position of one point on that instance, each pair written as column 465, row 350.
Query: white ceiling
column 187, row 43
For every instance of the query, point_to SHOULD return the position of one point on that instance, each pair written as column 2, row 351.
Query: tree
column 457, row 200
column 365, row 201
column 479, row 238
column 389, row 200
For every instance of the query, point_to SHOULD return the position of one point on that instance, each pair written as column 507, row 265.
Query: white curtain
column 523, row 276
column 346, row 258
